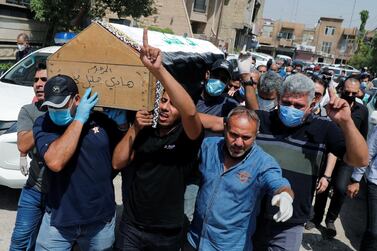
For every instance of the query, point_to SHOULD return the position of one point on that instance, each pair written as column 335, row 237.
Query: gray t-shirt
column 28, row 114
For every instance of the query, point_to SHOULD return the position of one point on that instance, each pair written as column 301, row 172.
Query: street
column 352, row 218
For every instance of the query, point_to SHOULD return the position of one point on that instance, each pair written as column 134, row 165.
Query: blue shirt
column 82, row 192
column 371, row 170
column 228, row 202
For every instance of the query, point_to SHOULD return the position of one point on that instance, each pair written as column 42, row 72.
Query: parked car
column 16, row 90
column 261, row 58
column 286, row 58
column 232, row 58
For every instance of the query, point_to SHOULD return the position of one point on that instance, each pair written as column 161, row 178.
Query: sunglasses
column 318, row 94
column 347, row 93
column 44, row 79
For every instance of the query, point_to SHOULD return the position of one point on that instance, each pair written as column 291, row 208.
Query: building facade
column 15, row 18
column 212, row 20
column 327, row 42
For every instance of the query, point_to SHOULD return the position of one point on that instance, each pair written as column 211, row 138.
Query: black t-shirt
column 154, row 182
column 359, row 114
column 300, row 151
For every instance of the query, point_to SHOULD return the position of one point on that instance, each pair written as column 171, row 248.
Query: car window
column 23, row 73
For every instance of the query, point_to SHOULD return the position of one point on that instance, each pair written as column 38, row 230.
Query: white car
column 16, row 90
column 261, row 58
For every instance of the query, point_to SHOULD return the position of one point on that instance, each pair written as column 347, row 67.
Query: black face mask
column 349, row 99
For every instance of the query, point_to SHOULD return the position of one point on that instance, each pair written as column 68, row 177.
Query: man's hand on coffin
column 143, row 119
column 150, row 56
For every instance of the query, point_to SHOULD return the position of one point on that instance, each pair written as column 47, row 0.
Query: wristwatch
column 328, row 178
column 354, row 181
column 248, row 82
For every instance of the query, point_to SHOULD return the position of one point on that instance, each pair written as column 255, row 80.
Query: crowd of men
column 238, row 170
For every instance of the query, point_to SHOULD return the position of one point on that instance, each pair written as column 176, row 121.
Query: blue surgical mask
column 363, row 85
column 265, row 104
column 214, row 87
column 60, row 117
column 290, row 116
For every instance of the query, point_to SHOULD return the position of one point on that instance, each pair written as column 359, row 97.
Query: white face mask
column 21, row 47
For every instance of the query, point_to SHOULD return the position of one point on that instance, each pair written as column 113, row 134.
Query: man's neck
column 229, row 161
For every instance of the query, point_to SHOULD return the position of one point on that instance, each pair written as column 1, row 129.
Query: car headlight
column 8, row 127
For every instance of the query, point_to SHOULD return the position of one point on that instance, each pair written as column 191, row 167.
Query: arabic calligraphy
column 102, row 75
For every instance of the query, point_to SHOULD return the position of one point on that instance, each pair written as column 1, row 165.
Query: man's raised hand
column 150, row 56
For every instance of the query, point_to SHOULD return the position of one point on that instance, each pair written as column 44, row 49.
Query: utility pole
column 349, row 26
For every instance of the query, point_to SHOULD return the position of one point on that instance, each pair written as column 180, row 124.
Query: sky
column 309, row 11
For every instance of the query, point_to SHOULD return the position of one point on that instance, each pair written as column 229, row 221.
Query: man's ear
column 77, row 99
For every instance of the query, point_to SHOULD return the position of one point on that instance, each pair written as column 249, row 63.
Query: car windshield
column 23, row 73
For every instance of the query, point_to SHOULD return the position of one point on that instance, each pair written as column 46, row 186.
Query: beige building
column 334, row 44
column 238, row 24
column 280, row 37
column 327, row 42
column 170, row 14
column 213, row 20
column 15, row 17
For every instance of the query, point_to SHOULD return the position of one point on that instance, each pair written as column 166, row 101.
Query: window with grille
column 200, row 6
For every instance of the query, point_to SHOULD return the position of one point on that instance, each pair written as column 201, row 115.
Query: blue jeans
column 369, row 242
column 29, row 215
column 89, row 237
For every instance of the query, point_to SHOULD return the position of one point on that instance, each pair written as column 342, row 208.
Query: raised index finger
column 145, row 38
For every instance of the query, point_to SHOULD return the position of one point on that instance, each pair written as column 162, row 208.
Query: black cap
column 58, row 90
column 223, row 64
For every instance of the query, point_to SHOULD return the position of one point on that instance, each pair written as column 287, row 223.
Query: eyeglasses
column 44, row 79
column 347, row 93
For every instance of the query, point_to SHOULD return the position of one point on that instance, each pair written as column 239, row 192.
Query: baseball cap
column 58, row 91
column 223, row 64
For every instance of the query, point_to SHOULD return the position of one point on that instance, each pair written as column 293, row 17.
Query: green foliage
column 366, row 56
column 64, row 15
column 163, row 30
column 134, row 8
column 5, row 66
column 364, row 15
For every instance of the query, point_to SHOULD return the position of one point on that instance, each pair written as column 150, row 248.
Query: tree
column 71, row 14
column 366, row 55
column 364, row 15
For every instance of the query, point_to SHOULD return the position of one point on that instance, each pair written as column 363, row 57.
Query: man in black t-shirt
column 156, row 164
column 342, row 173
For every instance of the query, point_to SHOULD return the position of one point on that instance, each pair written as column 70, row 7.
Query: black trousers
column 135, row 238
column 369, row 242
column 340, row 180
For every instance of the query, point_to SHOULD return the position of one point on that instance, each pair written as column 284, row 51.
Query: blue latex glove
column 85, row 106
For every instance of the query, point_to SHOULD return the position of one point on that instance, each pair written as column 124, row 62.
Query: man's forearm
column 356, row 147
column 123, row 151
column 251, row 98
column 330, row 164
column 62, row 149
column 25, row 141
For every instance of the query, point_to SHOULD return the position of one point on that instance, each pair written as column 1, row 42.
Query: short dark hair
column 318, row 79
column 40, row 66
